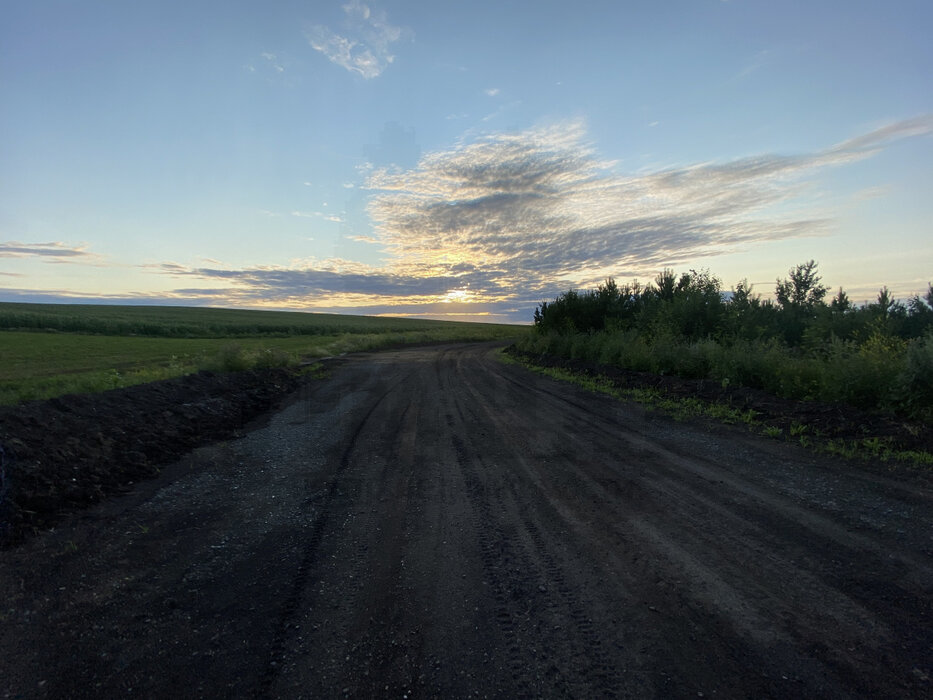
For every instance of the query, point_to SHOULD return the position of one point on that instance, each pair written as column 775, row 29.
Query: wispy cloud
column 870, row 142
column 50, row 252
column 499, row 112
column 760, row 59
column 365, row 46
column 540, row 204
column 274, row 61
column 274, row 68
column 318, row 215
column 511, row 218
column 279, row 284
column 492, row 92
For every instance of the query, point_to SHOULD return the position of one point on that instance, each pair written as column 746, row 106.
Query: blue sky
column 458, row 160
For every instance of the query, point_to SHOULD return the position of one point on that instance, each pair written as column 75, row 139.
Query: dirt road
column 434, row 523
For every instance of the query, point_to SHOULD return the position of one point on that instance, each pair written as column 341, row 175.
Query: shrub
column 797, row 347
column 273, row 357
column 752, row 363
column 914, row 386
column 633, row 352
column 233, row 358
column 863, row 375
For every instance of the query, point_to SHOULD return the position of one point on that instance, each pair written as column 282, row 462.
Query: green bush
column 638, row 354
column 751, row 363
column 232, row 358
column 914, row 386
column 273, row 357
column 580, row 347
column 874, row 356
column 800, row 378
column 863, row 375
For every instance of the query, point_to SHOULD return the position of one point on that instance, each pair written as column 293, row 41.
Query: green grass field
column 50, row 350
column 188, row 322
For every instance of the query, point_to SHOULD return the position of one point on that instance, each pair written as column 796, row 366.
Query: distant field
column 189, row 322
column 50, row 350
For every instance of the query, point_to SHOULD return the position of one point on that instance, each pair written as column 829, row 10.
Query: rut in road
column 434, row 522
column 309, row 550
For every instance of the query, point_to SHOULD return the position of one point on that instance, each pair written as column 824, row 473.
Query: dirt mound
column 824, row 421
column 66, row 453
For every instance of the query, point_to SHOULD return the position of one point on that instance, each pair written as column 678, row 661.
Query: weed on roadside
column 685, row 408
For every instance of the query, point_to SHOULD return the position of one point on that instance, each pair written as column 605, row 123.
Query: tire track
column 309, row 551
column 497, row 552
column 592, row 662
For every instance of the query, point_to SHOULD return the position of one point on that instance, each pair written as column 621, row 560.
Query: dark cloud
column 276, row 283
column 55, row 251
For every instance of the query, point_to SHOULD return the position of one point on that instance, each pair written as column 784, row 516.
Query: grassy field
column 50, row 350
column 187, row 322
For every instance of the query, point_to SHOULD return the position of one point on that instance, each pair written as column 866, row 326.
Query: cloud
column 366, row 47
column 540, row 204
column 760, row 59
column 274, row 61
column 274, row 68
column 50, row 252
column 318, row 215
column 284, row 283
column 870, row 142
column 363, row 239
column 503, row 109
column 509, row 219
column 492, row 92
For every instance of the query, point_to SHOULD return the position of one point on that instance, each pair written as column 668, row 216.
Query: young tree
column 747, row 317
column 840, row 303
column 665, row 284
column 803, row 290
column 798, row 299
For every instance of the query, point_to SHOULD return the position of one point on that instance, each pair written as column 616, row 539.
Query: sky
column 453, row 160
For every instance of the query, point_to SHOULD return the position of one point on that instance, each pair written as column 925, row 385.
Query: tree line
column 694, row 306
column 803, row 343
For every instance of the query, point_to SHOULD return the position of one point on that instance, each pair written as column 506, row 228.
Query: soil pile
column 66, row 453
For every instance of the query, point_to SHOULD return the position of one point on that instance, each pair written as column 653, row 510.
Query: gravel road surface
column 435, row 523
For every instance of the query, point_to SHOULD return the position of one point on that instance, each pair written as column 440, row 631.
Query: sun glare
column 461, row 295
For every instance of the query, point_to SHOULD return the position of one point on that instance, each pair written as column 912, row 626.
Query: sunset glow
column 370, row 158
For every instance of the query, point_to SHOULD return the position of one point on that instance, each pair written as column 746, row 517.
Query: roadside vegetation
column 832, row 376
column 867, row 440
column 48, row 350
column 803, row 345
